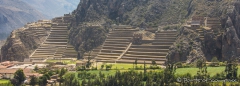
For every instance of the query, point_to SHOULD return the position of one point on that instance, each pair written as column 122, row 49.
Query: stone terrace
column 156, row 51
column 118, row 47
column 116, row 43
column 56, row 45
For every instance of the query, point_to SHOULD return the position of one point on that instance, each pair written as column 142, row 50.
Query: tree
column 33, row 81
column 102, row 66
column 154, row 62
column 89, row 63
column 202, row 73
column 19, row 76
column 231, row 69
column 43, row 81
column 14, row 81
column 145, row 70
column 36, row 68
column 62, row 72
column 169, row 72
column 214, row 62
column 135, row 63
column 71, row 80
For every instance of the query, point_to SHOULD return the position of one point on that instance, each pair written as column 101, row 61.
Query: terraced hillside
column 118, row 47
column 116, row 44
column 56, row 45
column 155, row 51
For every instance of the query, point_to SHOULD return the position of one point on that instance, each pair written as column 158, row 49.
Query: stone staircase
column 116, row 43
column 156, row 51
column 56, row 45
column 200, row 31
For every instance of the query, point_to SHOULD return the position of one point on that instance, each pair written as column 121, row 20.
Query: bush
column 219, row 76
column 179, row 65
column 154, row 67
column 185, row 65
column 166, row 28
column 108, row 67
column 222, row 64
column 214, row 62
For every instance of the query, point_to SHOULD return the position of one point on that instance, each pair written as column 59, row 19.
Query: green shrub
column 154, row 67
column 222, row 64
column 166, row 28
column 185, row 65
column 214, row 62
column 179, row 65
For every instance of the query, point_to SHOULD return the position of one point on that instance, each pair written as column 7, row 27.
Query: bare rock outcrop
column 187, row 47
column 20, row 45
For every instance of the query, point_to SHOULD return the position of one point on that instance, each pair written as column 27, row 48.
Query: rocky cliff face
column 86, row 38
column 20, row 45
column 187, row 47
column 230, row 39
column 14, row 14
column 222, row 44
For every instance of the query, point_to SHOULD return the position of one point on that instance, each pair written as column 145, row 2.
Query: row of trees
column 166, row 77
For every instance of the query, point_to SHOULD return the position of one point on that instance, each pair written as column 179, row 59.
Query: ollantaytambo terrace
column 119, row 43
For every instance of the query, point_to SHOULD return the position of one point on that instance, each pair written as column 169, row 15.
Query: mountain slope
column 53, row 8
column 14, row 14
column 134, row 12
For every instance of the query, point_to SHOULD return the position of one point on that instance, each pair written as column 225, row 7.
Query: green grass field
column 64, row 61
column 179, row 71
column 122, row 66
column 193, row 71
column 2, row 81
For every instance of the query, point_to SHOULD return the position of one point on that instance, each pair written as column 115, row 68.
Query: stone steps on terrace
column 146, row 56
column 70, row 52
column 111, row 51
column 151, row 46
column 147, row 50
column 146, row 53
column 113, row 46
column 116, row 45
column 124, row 30
column 106, row 56
column 57, row 38
column 58, row 28
column 164, row 40
column 165, row 36
column 103, row 58
column 58, row 35
column 115, row 42
column 162, row 43
column 42, row 56
column 110, row 37
column 110, row 54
